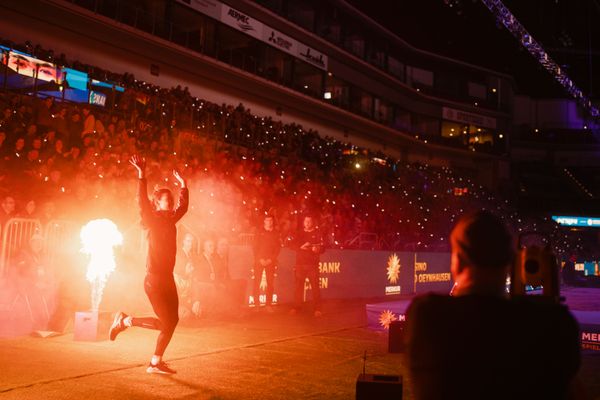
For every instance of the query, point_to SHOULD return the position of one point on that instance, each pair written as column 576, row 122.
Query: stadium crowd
column 68, row 161
column 64, row 160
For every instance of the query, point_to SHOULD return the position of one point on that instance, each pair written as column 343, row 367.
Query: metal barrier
column 59, row 235
column 17, row 232
column 246, row 239
column 364, row 240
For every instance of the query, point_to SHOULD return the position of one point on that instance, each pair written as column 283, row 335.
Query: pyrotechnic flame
column 98, row 238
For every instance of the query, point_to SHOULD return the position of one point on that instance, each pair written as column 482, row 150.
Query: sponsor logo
column 393, row 268
column 392, row 290
column 323, row 283
column 393, row 275
column 243, row 21
column 262, row 299
column 98, row 99
column 280, row 41
column 330, row 267
column 387, row 317
column 441, row 277
column 313, row 59
column 421, row 276
column 590, row 337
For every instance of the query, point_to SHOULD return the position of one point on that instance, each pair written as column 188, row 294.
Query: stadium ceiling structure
column 510, row 22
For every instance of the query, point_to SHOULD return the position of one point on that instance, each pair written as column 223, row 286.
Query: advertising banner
column 589, row 329
column 452, row 114
column 280, row 41
column 97, row 99
column 576, row 221
column 312, row 56
column 354, row 273
column 32, row 67
column 242, row 22
column 250, row 26
column 431, row 272
column 76, row 79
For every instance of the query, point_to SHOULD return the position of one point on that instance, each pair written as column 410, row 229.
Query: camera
column 535, row 266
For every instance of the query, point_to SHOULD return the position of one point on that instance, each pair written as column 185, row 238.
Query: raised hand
column 139, row 163
column 179, row 178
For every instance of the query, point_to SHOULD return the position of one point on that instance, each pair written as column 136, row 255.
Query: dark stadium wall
column 548, row 113
column 555, row 154
column 96, row 40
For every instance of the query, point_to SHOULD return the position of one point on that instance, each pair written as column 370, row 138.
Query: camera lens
column 532, row 266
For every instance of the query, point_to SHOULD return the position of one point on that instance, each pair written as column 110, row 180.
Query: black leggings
column 162, row 293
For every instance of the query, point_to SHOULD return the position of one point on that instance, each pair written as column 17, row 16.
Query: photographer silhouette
column 478, row 343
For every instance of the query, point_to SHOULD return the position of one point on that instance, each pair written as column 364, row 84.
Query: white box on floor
column 91, row 326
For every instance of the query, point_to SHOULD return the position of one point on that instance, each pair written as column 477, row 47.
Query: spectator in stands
column 222, row 260
column 29, row 211
column 204, row 287
column 75, row 129
column 58, row 151
column 282, row 164
column 19, row 149
column 185, row 276
column 480, row 345
column 44, row 118
column 49, row 139
column 31, row 133
column 89, row 121
column 48, row 212
column 61, row 125
column 6, row 122
column 186, row 257
column 21, row 119
column 31, row 263
column 231, row 292
column 266, row 248
column 3, row 144
column 8, row 210
column 309, row 246
column 32, row 280
column 33, row 157
column 206, row 269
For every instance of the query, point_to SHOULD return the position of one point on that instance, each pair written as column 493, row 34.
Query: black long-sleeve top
column 308, row 257
column 162, row 233
column 267, row 245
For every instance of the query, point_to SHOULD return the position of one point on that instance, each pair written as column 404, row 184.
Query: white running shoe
column 117, row 326
column 160, row 368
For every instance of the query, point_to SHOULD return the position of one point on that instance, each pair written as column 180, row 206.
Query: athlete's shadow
column 206, row 392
